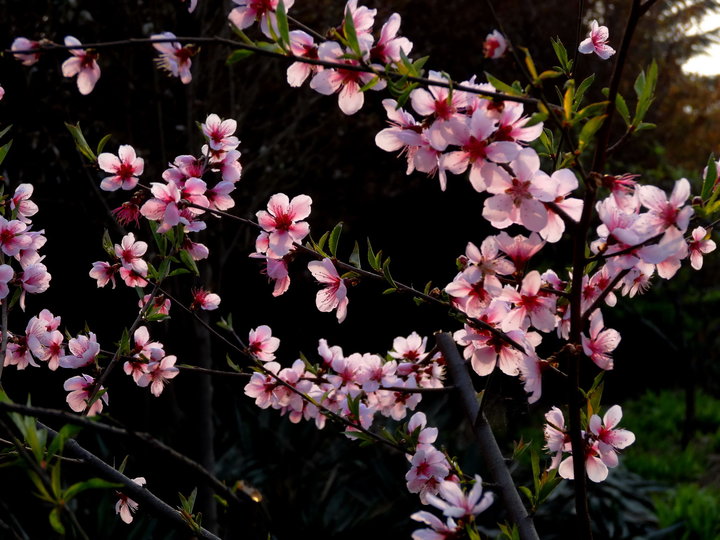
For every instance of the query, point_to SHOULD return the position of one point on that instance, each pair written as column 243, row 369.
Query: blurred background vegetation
column 318, row 484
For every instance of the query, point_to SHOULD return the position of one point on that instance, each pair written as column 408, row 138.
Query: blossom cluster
column 602, row 442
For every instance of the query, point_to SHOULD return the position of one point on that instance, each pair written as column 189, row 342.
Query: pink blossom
column 425, row 436
column 700, row 245
column 472, row 291
column 429, row 468
column 132, row 278
column 495, row 45
column 130, row 254
column 334, row 294
column 21, row 202
column 125, row 506
column 80, row 387
column 24, row 44
column 596, row 42
column 347, row 82
column 595, row 468
column 164, row 206
column 158, row 373
column 104, row 273
column 283, row 222
column 557, row 440
column 443, row 107
column 13, row 236
column 530, row 306
column 438, row 530
column 263, row 387
column 6, row 275
column 262, row 344
column 83, row 64
column 601, row 342
column 663, row 211
column 174, row 58
column 389, row 45
column 519, row 248
column 219, row 133
column 410, row 348
column 84, row 351
column 303, row 45
column 609, row 438
column 204, row 300
column 125, row 168
column 454, row 502
column 250, row 11
column 35, row 279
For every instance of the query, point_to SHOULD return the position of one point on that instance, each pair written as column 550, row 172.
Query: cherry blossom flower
column 6, row 274
column 302, row 44
column 126, row 167
column 35, row 279
column 601, row 342
column 160, row 305
column 347, row 82
column 104, row 273
column 409, row 348
column 438, row 531
column 495, row 45
column 130, row 254
column 429, row 468
column 158, row 373
column 455, row 503
column 283, row 222
column 389, row 45
column 205, row 300
column 596, row 42
column 519, row 248
column 21, row 202
column 80, row 387
column 262, row 344
column 610, row 439
column 164, row 206
column 174, row 58
column 595, row 468
column 438, row 103
column 220, row 133
column 530, row 306
column 125, row 506
column 700, row 245
column 2, row 93
column 334, row 294
column 557, row 440
column 24, row 44
column 83, row 64
column 250, row 11
column 663, row 211
column 13, row 236
column 425, row 436
column 84, row 351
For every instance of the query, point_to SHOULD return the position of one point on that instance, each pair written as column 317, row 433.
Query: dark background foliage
column 295, row 141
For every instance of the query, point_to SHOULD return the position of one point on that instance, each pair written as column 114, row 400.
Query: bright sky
column 708, row 63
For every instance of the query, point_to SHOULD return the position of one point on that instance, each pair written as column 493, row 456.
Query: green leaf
column 622, row 108
column 386, row 273
column 232, row 364
column 372, row 82
column 501, row 86
column 562, row 55
column 529, row 63
column 320, row 246
column 282, row 22
column 589, row 129
column 529, row 494
column 102, row 143
column 355, row 256
column 188, row 261
column 4, row 149
column 92, row 483
column 55, row 521
column 124, row 344
column 568, row 100
column 351, row 33
column 107, row 244
column 581, row 89
column 334, row 239
column 80, row 143
column 236, row 56
column 591, row 110
column 373, row 259
column 711, row 176
column 4, row 131
column 179, row 271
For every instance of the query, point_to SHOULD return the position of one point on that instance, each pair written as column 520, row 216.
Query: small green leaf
column 711, row 176
column 351, row 33
column 320, row 246
column 282, row 22
column 55, row 521
column 188, row 261
column 581, row 89
column 102, row 143
column 232, row 364
column 561, row 53
column 107, row 244
column 501, row 86
column 4, row 149
column 334, row 239
column 355, row 256
column 4, row 131
column 589, row 129
column 236, row 56
column 386, row 273
column 593, row 109
column 80, row 143
column 373, row 259
column 92, row 483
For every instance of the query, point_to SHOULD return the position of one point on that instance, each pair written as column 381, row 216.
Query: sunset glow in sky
column 708, row 63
